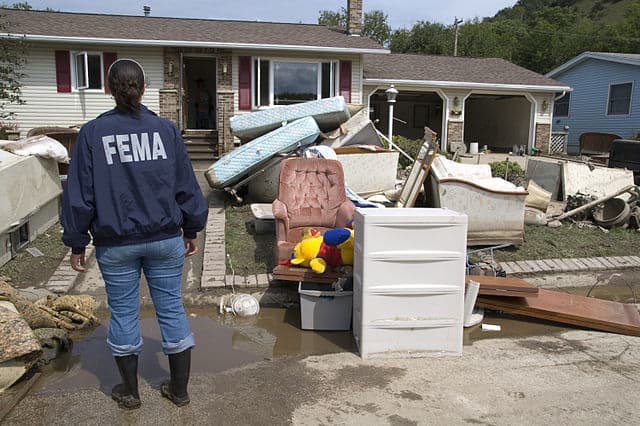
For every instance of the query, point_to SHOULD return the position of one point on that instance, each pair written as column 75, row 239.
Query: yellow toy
column 316, row 251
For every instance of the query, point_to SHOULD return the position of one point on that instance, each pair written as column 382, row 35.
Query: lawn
column 254, row 254
column 27, row 270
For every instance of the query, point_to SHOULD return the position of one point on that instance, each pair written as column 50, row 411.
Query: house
column 245, row 66
column 605, row 96
column 489, row 101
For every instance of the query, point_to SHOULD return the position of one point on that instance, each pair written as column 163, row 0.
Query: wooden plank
column 10, row 397
column 503, row 286
column 572, row 309
column 292, row 273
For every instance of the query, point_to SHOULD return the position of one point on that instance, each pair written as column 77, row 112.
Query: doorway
column 199, row 93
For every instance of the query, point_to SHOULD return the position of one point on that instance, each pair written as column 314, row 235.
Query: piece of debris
column 589, row 312
column 490, row 327
column 33, row 251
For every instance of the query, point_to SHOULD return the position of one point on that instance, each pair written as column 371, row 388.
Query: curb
column 64, row 277
column 580, row 264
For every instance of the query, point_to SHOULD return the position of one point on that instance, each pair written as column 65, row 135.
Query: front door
column 199, row 93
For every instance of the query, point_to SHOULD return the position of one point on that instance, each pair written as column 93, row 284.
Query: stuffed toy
column 317, row 251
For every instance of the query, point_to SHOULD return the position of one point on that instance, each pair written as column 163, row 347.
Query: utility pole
column 456, row 21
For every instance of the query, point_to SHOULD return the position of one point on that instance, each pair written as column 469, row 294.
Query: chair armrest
column 282, row 219
column 279, row 210
column 345, row 214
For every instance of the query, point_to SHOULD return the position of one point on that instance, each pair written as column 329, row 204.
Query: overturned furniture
column 495, row 207
column 310, row 194
column 596, row 143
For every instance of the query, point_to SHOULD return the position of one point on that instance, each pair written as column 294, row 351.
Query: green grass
column 26, row 270
column 254, row 254
column 542, row 242
column 249, row 253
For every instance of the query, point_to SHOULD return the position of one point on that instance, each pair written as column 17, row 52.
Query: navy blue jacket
column 130, row 181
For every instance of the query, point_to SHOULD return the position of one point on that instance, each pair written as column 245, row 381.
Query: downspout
column 564, row 92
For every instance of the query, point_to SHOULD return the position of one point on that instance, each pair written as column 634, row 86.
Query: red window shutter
column 108, row 58
column 63, row 71
column 244, row 83
column 345, row 80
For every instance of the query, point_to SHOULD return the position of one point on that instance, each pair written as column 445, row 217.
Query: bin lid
column 320, row 290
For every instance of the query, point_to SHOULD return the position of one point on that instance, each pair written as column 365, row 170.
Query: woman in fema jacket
column 131, row 186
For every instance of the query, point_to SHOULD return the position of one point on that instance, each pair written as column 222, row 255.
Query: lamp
column 392, row 94
column 545, row 105
column 225, row 70
column 170, row 68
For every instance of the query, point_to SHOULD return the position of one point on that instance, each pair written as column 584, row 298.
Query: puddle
column 226, row 342
column 223, row 342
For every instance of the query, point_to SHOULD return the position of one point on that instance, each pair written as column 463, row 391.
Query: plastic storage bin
column 322, row 308
column 408, row 290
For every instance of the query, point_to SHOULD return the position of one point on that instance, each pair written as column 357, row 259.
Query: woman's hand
column 191, row 247
column 77, row 262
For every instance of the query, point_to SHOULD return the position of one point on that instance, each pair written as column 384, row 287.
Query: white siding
column 46, row 107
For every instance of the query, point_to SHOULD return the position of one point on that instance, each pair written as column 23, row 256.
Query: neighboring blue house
column 605, row 96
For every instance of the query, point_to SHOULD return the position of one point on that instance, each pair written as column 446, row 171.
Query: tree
column 12, row 61
column 424, row 37
column 375, row 25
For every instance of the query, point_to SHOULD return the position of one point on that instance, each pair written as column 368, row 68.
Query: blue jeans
column 162, row 263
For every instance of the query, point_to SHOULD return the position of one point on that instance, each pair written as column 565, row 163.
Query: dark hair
column 126, row 81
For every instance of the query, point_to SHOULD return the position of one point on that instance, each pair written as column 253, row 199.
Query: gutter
column 184, row 43
column 464, row 85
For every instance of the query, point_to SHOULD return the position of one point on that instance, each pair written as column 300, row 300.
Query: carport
column 498, row 121
column 413, row 111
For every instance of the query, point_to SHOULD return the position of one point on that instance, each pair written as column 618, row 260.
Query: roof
column 123, row 29
column 623, row 58
column 454, row 71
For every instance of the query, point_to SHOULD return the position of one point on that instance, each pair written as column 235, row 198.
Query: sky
column 403, row 14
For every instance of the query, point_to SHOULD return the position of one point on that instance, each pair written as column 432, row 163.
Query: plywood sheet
column 572, row 309
column 503, row 286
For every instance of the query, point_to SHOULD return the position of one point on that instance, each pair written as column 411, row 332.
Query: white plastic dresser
column 408, row 293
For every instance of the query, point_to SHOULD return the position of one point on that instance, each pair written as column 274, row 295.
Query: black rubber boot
column 176, row 389
column 126, row 393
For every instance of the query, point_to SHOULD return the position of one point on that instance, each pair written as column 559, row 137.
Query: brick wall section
column 354, row 16
column 454, row 134
column 543, row 137
column 225, row 112
column 169, row 106
column 225, row 102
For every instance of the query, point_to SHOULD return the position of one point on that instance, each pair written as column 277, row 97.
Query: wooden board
column 572, row 309
column 10, row 397
column 293, row 273
column 499, row 286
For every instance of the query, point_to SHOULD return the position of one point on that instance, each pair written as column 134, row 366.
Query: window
column 619, row 99
column 87, row 70
column 561, row 106
column 282, row 82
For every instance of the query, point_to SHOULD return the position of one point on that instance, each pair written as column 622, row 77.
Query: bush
column 410, row 146
column 514, row 173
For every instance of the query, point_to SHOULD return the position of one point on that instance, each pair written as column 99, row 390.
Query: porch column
column 543, row 137
column 454, row 134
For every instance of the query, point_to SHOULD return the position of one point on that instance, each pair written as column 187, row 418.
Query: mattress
column 240, row 162
column 329, row 113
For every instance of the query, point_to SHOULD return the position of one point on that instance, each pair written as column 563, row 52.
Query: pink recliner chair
column 311, row 194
